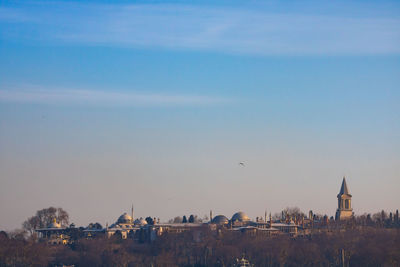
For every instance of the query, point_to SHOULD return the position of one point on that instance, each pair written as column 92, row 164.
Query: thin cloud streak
column 13, row 15
column 226, row 30
column 105, row 98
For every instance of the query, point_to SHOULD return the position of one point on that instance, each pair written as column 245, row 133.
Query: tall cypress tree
column 191, row 219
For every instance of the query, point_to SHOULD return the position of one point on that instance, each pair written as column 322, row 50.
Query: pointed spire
column 270, row 220
column 343, row 189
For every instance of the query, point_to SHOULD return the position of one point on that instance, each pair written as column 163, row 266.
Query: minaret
column 270, row 220
column 344, row 210
column 132, row 214
column 265, row 216
column 211, row 217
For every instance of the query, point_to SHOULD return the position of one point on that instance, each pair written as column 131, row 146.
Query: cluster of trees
column 184, row 219
column 379, row 219
column 15, row 250
column 96, row 226
column 44, row 217
column 375, row 243
column 366, row 247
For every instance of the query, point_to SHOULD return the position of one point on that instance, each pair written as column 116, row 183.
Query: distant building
column 125, row 225
column 240, row 219
column 241, row 223
column 53, row 233
column 242, row 263
column 344, row 210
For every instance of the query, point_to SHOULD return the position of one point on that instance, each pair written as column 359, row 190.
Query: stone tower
column 344, row 210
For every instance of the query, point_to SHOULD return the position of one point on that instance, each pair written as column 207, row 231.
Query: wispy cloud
column 14, row 15
column 37, row 95
column 227, row 30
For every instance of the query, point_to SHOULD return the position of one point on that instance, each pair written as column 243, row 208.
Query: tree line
column 365, row 240
column 357, row 247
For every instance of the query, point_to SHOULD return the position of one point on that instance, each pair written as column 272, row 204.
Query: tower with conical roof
column 344, row 211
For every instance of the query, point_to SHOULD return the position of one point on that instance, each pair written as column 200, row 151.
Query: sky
column 108, row 104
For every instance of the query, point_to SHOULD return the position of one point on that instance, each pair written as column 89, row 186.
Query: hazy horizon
column 155, row 104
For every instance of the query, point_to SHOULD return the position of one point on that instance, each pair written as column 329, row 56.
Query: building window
column 347, row 204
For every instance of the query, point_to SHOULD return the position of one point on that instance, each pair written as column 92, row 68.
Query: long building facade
column 126, row 226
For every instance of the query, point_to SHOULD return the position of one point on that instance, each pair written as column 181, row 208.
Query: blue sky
column 107, row 103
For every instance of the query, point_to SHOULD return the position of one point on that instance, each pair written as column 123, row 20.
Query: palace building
column 126, row 226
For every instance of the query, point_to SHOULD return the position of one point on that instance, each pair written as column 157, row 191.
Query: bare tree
column 177, row 219
column 31, row 224
column 44, row 217
column 294, row 212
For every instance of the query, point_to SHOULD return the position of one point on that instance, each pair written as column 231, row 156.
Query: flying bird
column 241, row 164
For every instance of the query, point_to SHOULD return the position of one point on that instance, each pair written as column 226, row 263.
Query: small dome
column 54, row 224
column 240, row 217
column 140, row 221
column 220, row 219
column 124, row 218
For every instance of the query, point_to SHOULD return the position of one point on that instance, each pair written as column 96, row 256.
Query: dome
column 54, row 224
column 240, row 217
column 124, row 218
column 140, row 221
column 220, row 219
